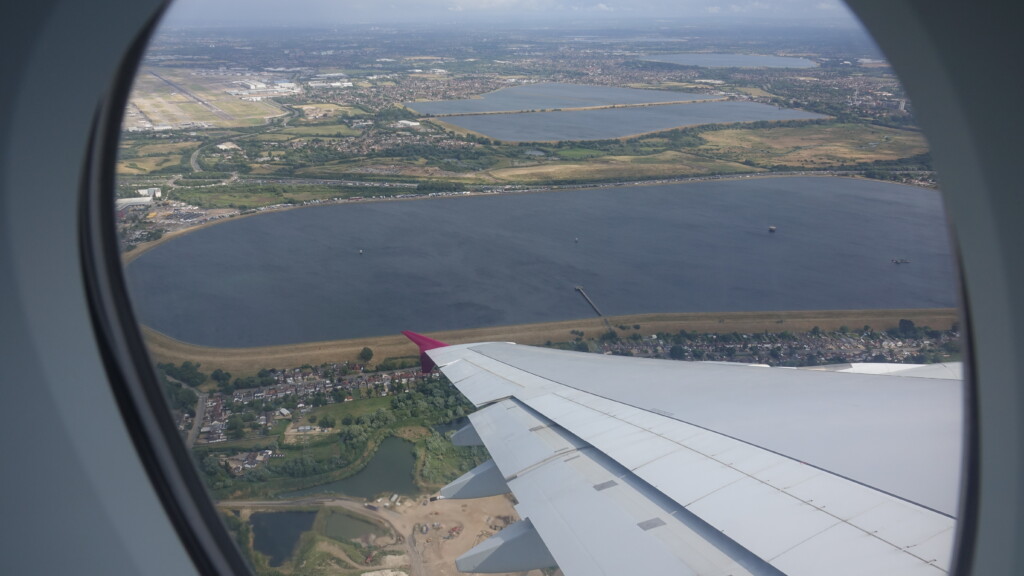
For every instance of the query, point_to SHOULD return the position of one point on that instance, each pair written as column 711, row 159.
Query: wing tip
column 424, row 343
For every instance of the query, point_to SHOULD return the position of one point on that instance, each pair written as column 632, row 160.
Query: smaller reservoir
column 275, row 534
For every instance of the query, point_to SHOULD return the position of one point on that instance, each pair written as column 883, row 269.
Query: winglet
column 424, row 343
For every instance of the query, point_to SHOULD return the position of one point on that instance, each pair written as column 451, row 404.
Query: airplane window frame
column 145, row 410
column 130, row 371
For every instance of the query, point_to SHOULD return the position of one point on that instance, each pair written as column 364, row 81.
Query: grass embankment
column 669, row 164
column 248, row 361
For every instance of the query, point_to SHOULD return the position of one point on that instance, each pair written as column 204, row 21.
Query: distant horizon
column 328, row 14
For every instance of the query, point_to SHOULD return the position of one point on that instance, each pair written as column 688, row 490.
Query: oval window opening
column 663, row 210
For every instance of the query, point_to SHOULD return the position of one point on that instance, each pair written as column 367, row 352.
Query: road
column 194, row 160
column 197, row 422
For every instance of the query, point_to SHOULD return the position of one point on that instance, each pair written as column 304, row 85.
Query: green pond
column 275, row 534
column 388, row 472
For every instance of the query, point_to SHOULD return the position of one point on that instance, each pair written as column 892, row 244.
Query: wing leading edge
column 623, row 465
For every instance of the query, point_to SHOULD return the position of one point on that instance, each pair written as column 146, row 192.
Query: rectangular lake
column 609, row 123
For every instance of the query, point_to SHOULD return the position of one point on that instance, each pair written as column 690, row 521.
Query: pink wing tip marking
column 424, row 343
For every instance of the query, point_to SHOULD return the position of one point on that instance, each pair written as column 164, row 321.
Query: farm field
column 814, row 146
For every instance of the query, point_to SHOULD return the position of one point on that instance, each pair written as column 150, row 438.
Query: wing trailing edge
column 480, row 482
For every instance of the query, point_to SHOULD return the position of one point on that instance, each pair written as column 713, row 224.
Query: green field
column 139, row 166
column 330, row 130
column 354, row 409
column 140, row 157
column 579, row 153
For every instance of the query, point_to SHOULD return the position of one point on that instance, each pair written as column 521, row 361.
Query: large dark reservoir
column 449, row 263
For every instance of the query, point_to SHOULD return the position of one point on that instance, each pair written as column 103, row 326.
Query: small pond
column 275, row 534
column 388, row 472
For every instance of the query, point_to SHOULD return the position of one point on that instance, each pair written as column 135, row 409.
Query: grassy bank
column 248, row 361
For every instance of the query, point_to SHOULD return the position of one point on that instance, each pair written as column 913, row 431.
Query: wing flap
column 706, row 502
column 480, row 482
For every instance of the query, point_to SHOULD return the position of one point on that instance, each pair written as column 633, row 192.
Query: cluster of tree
column 188, row 373
column 240, row 532
column 306, row 465
column 234, row 163
column 907, row 329
column 237, row 424
column 394, row 114
column 355, row 433
column 365, row 355
column 180, row 398
column 443, row 461
column 431, row 402
column 217, row 476
column 323, row 421
column 316, row 152
column 263, row 378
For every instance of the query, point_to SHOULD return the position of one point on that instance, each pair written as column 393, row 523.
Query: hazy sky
column 334, row 12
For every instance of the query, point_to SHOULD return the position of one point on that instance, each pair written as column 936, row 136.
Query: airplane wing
column 626, row 465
